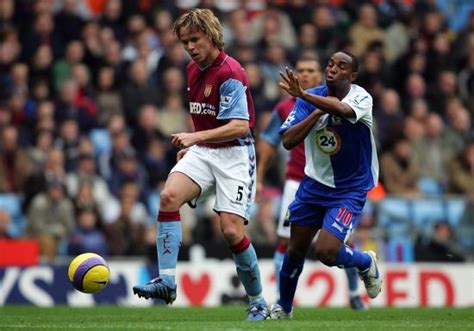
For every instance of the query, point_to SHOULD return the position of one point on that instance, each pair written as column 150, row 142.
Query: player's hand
column 290, row 83
column 181, row 153
column 184, row 139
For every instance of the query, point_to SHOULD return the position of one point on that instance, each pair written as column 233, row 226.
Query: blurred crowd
column 91, row 90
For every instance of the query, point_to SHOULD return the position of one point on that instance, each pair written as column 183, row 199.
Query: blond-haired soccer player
column 218, row 158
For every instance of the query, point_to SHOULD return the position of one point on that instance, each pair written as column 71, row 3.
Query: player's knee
column 296, row 254
column 326, row 255
column 231, row 235
column 169, row 200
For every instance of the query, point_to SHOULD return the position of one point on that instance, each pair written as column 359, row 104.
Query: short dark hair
column 355, row 61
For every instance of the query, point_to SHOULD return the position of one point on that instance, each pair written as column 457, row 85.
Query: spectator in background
column 108, row 162
column 365, row 30
column 259, row 87
column 18, row 80
column 70, row 105
column 388, row 117
column 80, row 74
column 112, row 18
column 108, row 97
column 37, row 181
column 14, row 165
column 418, row 111
column 397, row 36
column 85, row 174
column 324, row 20
column 41, row 64
column 413, row 129
column 440, row 247
column 413, row 62
column 136, row 27
column 68, row 24
column 445, row 89
column 7, row 13
column 146, row 130
column 68, row 142
column 431, row 154
column 236, row 26
column 40, row 92
column 172, row 117
column 414, row 88
column 439, row 56
column 174, row 56
column 93, row 48
column 461, row 171
column 50, row 218
column 112, row 57
column 156, row 163
column 466, row 79
column 62, row 68
column 274, row 59
column 38, row 153
column 373, row 75
column 17, row 105
column 125, row 235
column 43, row 32
column 399, row 174
column 137, row 92
column 129, row 170
column 272, row 26
column 87, row 236
column 457, row 134
column 172, row 83
column 307, row 36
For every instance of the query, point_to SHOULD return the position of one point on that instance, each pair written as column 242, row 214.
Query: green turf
column 229, row 318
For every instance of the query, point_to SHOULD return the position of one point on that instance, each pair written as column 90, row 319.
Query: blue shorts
column 320, row 206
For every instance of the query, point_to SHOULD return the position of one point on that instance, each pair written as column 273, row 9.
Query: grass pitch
column 230, row 318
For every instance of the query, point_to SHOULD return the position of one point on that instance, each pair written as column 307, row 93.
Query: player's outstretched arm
column 330, row 105
column 296, row 133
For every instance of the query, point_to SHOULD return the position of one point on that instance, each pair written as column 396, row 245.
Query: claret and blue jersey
column 217, row 94
column 340, row 153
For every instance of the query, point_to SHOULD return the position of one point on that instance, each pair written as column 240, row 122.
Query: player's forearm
column 296, row 134
column 329, row 105
column 233, row 130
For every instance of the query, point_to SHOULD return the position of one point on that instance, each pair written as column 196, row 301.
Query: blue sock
column 349, row 258
column 278, row 262
column 289, row 274
column 248, row 271
column 353, row 281
column 168, row 242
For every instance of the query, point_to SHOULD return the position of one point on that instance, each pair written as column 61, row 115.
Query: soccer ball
column 89, row 273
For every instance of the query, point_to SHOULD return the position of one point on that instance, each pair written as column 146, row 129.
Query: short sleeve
column 300, row 111
column 233, row 100
column 360, row 102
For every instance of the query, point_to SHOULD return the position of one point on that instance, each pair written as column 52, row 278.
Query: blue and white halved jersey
column 340, row 153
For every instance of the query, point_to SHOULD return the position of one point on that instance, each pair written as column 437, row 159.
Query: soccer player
column 335, row 122
column 218, row 158
column 309, row 74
